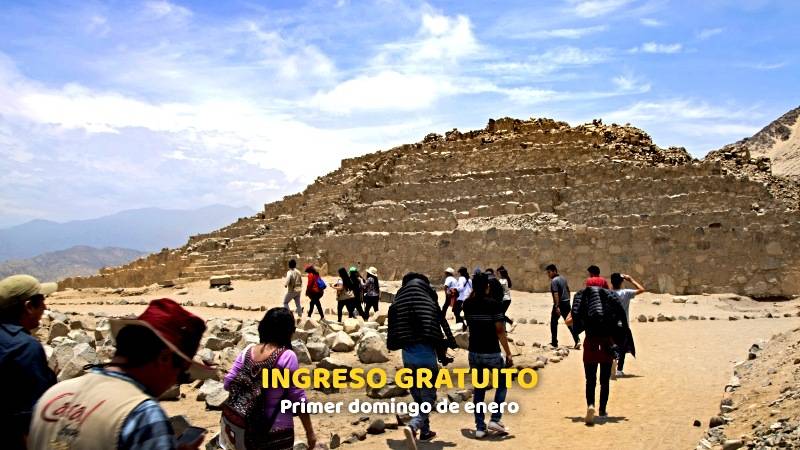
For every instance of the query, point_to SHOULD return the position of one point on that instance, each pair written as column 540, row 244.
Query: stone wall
column 681, row 259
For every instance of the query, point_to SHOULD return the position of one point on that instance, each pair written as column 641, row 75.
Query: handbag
column 244, row 423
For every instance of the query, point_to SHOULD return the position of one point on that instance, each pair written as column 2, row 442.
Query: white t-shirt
column 464, row 288
column 506, row 289
column 625, row 297
column 450, row 282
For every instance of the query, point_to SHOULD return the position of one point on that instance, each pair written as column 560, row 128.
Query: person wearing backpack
column 315, row 289
column 372, row 291
column 598, row 313
column 251, row 416
column 293, row 282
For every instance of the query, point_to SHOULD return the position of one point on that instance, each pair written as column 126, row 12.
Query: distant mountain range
column 145, row 230
column 75, row 261
column 779, row 141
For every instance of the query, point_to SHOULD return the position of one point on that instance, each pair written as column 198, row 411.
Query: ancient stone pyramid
column 523, row 194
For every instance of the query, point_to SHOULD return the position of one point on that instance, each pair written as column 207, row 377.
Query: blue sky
column 106, row 106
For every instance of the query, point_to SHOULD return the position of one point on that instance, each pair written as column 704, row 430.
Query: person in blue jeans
column 487, row 333
column 417, row 327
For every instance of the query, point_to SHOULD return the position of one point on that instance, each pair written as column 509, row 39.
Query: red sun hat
column 179, row 329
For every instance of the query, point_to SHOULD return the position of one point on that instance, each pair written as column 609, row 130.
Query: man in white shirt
column 625, row 297
column 294, row 286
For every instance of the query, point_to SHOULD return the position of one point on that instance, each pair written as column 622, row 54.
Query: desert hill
column 146, row 229
column 779, row 141
column 75, row 261
column 523, row 193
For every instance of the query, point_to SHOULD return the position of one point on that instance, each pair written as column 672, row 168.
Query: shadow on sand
column 599, row 420
column 400, row 444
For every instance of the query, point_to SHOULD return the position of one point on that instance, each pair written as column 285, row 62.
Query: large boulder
column 381, row 318
column 222, row 340
column 388, row 391
column 340, row 342
column 57, row 329
column 330, row 363
column 299, row 349
column 219, row 280
column 81, row 337
column 318, row 350
column 63, row 351
column 351, row 325
column 213, row 393
column 462, row 339
column 83, row 354
column 372, row 349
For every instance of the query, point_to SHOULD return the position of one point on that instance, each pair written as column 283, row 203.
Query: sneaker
column 480, row 434
column 614, row 370
column 411, row 437
column 603, row 413
column 590, row 415
column 497, row 427
column 554, row 345
column 427, row 436
column 577, row 346
column 620, row 374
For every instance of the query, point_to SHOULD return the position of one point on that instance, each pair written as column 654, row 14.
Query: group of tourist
column 113, row 405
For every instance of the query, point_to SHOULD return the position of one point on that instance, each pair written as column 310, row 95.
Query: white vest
column 84, row 413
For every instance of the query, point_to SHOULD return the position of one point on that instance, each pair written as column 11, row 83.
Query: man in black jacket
column 415, row 326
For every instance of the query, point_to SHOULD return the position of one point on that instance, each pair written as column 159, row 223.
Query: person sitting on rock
column 114, row 405
column 417, row 327
column 251, row 416
column 23, row 363
column 625, row 296
column 595, row 279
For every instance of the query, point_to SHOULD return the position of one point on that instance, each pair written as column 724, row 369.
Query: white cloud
column 629, row 83
column 765, row 66
column 440, row 39
column 595, row 8
column 98, row 25
column 159, row 9
column 677, row 109
column 708, row 32
column 653, row 47
column 562, row 33
column 650, row 22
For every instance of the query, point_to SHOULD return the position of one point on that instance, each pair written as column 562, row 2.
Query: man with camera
column 416, row 326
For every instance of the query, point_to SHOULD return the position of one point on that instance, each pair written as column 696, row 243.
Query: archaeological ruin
column 523, row 194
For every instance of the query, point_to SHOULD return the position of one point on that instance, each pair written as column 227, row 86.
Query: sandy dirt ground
column 678, row 376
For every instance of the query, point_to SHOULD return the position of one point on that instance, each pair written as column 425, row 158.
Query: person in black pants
column 372, row 291
column 561, row 306
column 314, row 292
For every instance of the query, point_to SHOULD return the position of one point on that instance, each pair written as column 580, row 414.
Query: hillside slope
column 74, row 261
column 147, row 229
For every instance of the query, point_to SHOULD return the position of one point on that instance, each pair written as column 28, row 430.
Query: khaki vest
column 84, row 413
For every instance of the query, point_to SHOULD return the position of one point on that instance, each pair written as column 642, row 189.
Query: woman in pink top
column 251, row 417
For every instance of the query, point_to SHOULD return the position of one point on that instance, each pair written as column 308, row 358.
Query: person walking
column 487, row 333
column 625, row 296
column 559, row 289
column 251, row 416
column 344, row 294
column 595, row 279
column 357, row 284
column 315, row 289
column 115, row 405
column 417, row 327
column 293, row 282
column 372, row 291
column 599, row 313
column 23, row 364
column 505, row 282
column 450, row 290
column 464, row 288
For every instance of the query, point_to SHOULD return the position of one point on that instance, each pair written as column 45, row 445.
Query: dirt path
column 678, row 377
